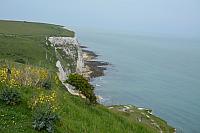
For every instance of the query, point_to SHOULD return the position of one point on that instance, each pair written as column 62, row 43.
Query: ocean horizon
column 160, row 73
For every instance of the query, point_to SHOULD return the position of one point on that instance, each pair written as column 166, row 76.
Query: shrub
column 46, row 85
column 45, row 119
column 43, row 100
column 20, row 60
column 23, row 75
column 82, row 84
column 10, row 96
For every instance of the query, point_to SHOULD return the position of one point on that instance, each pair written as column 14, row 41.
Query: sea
column 157, row 72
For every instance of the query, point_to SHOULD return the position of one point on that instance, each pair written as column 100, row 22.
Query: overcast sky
column 175, row 17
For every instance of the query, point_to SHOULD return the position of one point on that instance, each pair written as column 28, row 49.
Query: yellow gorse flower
column 43, row 99
column 16, row 76
column 26, row 75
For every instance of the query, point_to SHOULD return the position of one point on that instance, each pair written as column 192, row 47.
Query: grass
column 27, row 41
column 76, row 116
column 33, row 29
column 32, row 50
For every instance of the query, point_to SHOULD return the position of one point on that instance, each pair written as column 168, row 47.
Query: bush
column 20, row 60
column 82, row 84
column 10, row 96
column 47, row 85
column 44, row 119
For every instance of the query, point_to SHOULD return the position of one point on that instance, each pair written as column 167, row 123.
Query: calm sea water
column 155, row 72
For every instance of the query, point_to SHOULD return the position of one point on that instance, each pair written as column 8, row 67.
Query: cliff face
column 70, row 58
column 69, row 53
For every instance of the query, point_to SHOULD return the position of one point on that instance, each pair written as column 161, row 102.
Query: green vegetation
column 25, row 42
column 10, row 96
column 31, row 62
column 44, row 119
column 32, row 29
column 74, row 113
column 27, row 50
column 83, row 86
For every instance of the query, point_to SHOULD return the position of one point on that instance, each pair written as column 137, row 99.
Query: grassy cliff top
column 26, row 42
column 31, row 28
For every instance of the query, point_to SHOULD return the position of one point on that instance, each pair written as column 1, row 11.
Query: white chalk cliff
column 71, row 47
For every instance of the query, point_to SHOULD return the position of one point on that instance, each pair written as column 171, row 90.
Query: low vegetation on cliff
column 83, row 86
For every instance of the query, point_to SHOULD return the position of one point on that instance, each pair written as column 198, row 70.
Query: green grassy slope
column 31, row 50
column 30, row 28
column 76, row 115
column 27, row 41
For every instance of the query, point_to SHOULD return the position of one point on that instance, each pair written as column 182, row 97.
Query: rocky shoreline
column 94, row 67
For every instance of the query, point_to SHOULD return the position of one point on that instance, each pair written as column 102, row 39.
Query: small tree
column 81, row 84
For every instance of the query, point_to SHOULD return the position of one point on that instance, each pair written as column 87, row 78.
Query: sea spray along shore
column 47, row 47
